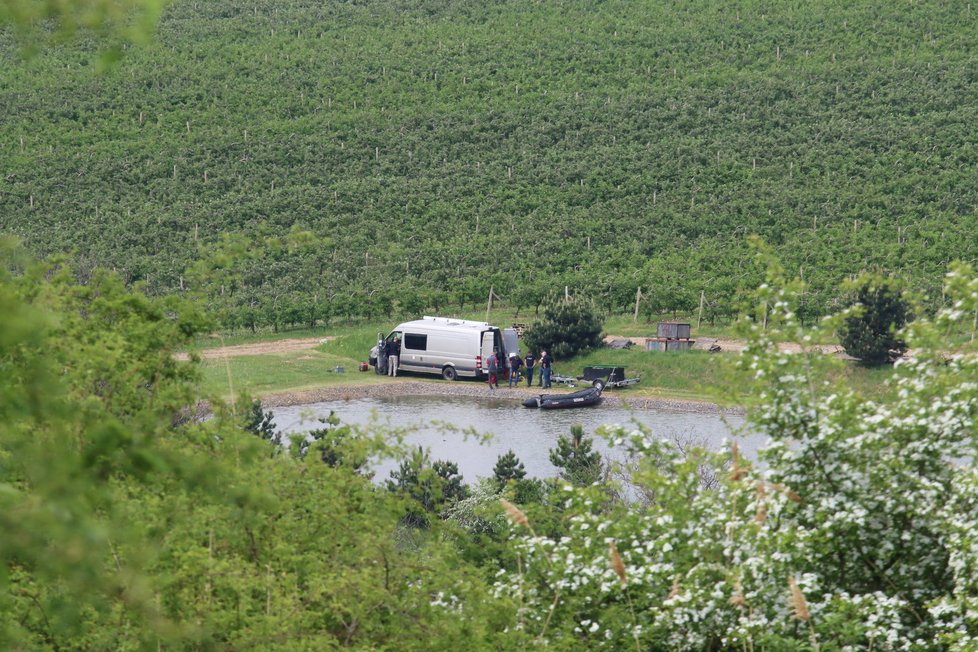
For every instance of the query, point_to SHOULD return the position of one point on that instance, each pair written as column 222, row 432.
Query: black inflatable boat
column 583, row 398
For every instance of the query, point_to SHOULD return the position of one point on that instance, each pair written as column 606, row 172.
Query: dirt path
column 303, row 343
column 261, row 348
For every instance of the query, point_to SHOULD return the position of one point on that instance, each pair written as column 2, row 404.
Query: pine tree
column 508, row 467
column 431, row 486
column 261, row 423
column 579, row 464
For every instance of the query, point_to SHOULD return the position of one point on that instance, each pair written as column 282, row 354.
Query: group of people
column 515, row 364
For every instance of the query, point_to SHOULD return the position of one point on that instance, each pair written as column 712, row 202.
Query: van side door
column 414, row 347
column 488, row 344
column 511, row 341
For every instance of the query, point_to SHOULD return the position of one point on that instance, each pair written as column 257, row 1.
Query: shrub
column 870, row 328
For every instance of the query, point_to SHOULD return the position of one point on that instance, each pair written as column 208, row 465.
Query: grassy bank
column 689, row 375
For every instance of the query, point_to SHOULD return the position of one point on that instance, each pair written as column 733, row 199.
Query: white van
column 451, row 348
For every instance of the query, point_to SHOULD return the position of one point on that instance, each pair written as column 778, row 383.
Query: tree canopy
column 568, row 328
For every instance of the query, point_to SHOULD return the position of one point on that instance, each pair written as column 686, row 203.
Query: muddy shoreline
column 422, row 388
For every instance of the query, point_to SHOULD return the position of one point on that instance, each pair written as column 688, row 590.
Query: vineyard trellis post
column 699, row 317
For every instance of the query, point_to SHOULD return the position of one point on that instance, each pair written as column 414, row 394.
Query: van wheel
column 449, row 373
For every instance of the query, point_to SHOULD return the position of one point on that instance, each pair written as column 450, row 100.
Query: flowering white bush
column 858, row 532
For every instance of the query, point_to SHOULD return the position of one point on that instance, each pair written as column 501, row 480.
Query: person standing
column 514, row 369
column 492, row 366
column 393, row 356
column 546, row 362
column 529, row 362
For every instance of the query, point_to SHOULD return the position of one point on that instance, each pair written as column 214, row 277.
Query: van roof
column 445, row 322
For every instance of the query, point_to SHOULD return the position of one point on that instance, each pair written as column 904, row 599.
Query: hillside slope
column 438, row 148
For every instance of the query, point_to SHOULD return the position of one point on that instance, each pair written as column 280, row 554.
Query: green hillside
column 438, row 148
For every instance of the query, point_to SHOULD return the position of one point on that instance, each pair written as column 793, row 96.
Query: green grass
column 627, row 326
column 868, row 381
column 694, row 375
column 353, row 343
column 296, row 370
column 266, row 374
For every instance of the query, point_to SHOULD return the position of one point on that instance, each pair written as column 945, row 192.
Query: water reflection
column 529, row 433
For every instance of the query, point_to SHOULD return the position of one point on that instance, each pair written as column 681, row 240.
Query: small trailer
column 607, row 376
column 603, row 375
column 570, row 381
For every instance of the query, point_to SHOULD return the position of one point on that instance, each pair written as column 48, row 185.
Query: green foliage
column 130, row 522
column 262, row 424
column 508, row 469
column 428, row 487
column 857, row 533
column 94, row 406
column 578, row 463
column 336, row 444
column 568, row 329
column 870, row 331
column 113, row 22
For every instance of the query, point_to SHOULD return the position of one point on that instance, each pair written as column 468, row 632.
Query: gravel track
column 260, row 348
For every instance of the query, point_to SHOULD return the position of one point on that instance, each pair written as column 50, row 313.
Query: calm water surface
column 530, row 433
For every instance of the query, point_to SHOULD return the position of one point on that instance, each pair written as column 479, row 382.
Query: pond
column 530, row 433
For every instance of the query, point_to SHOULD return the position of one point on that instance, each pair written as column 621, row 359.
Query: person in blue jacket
column 529, row 361
column 393, row 356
